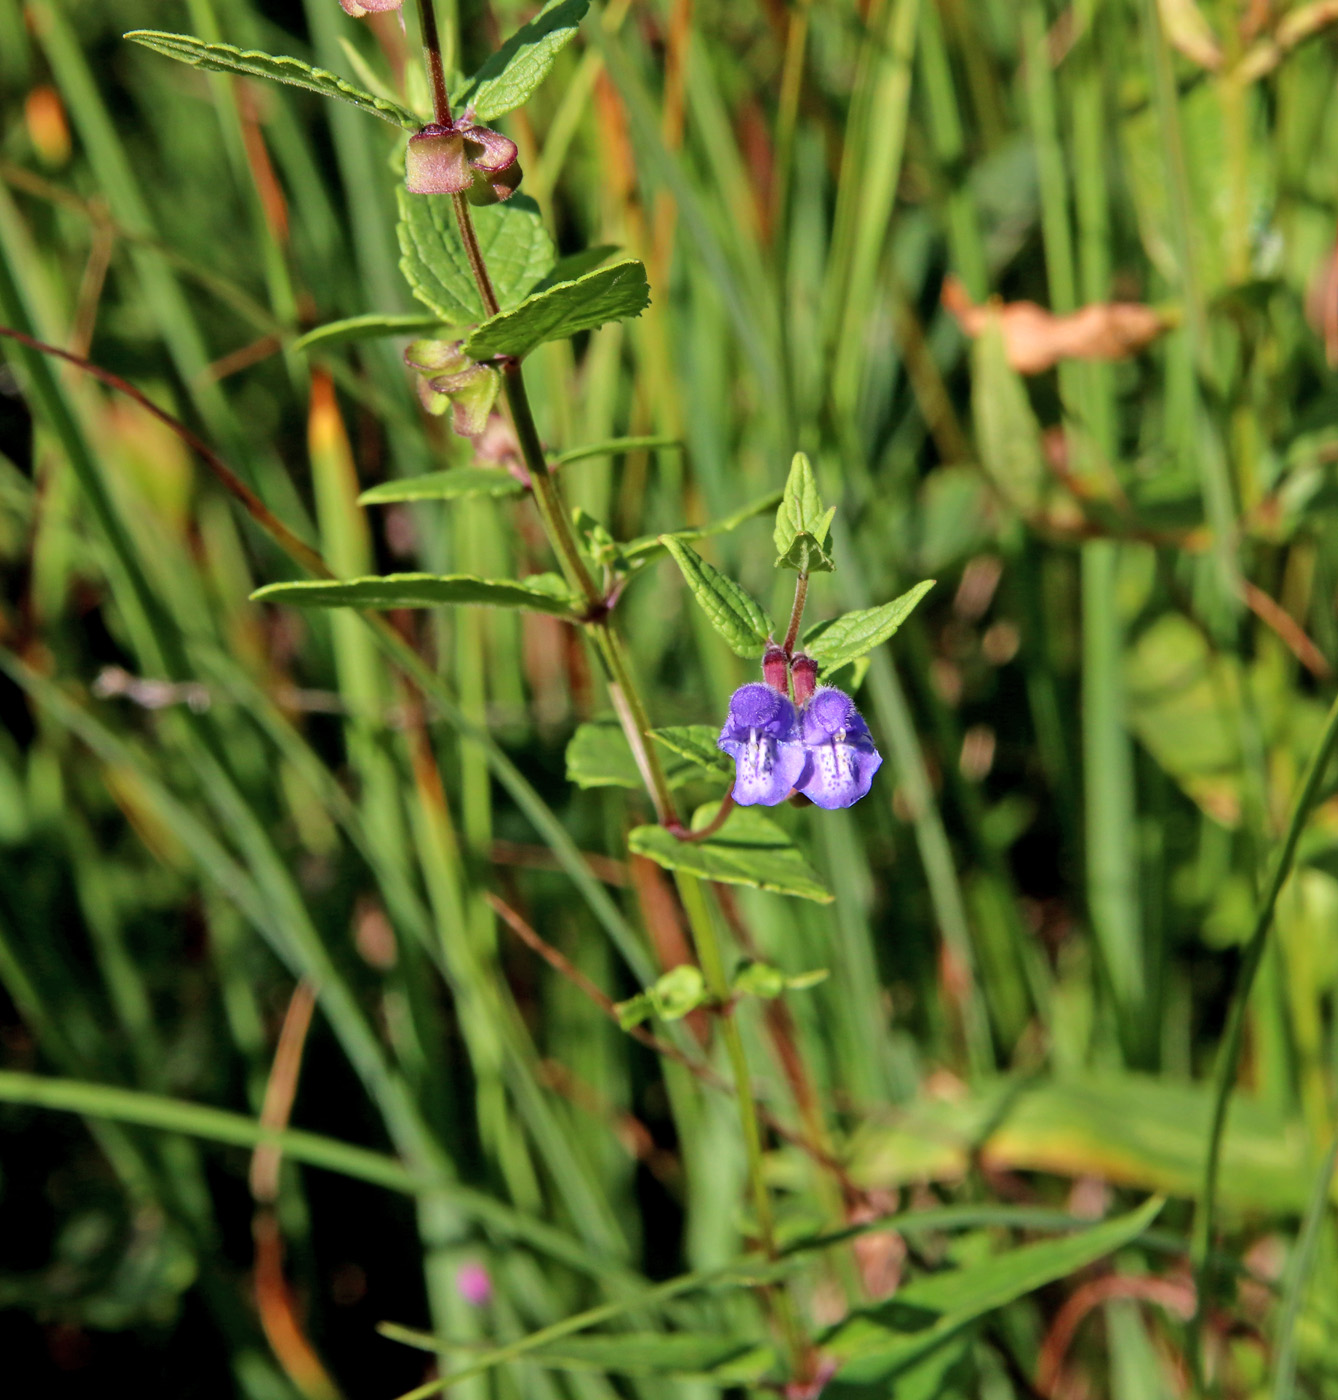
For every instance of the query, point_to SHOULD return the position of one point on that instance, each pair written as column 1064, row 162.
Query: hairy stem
column 796, row 614
column 436, row 69
column 465, row 222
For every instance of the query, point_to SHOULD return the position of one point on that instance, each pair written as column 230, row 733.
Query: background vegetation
column 1095, row 726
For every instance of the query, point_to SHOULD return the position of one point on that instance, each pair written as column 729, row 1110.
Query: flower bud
column 804, row 675
column 436, row 162
column 775, row 668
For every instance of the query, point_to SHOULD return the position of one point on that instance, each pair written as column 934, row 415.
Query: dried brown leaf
column 1036, row 339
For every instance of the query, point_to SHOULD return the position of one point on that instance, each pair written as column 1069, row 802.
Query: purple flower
column 841, row 759
column 761, row 735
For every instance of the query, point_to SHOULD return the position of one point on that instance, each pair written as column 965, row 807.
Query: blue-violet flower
column 761, row 735
column 840, row 757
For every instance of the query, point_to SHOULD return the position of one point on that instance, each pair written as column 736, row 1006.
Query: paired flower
column 461, row 158
column 822, row 749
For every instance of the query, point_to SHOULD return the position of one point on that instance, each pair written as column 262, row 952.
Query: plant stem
column 717, row 982
column 436, row 70
column 465, row 221
column 1229, row 1055
column 796, row 614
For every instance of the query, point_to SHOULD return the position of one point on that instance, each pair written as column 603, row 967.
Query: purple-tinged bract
column 840, row 757
column 761, row 735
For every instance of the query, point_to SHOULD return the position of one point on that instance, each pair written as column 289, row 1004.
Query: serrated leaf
column 365, row 328
column 647, row 546
column 928, row 1312
column 607, row 294
column 1007, row 433
column 843, row 639
column 539, row 593
column 511, row 75
column 802, row 523
column 697, row 744
column 598, row 755
column 731, row 610
column 444, row 486
column 225, row 58
column 749, row 849
column 514, row 243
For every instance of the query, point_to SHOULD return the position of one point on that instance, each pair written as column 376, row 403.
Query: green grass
column 1105, row 812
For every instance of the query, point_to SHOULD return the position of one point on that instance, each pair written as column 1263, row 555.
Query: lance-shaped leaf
column 801, row 522
column 598, row 756
column 514, row 243
column 842, row 639
column 732, row 610
column 225, row 58
column 508, row 78
column 608, row 294
column 444, row 486
column 928, row 1312
column 749, row 849
column 696, row 743
column 367, row 327
column 539, row 593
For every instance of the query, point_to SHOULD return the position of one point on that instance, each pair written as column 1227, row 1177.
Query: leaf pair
column 683, row 989
column 506, row 81
column 746, row 628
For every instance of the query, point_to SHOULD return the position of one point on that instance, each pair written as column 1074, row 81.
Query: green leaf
column 444, row 486
column 801, row 523
column 749, row 849
column 615, row 446
column 1007, row 434
column 678, row 991
column 876, row 1343
column 512, row 238
column 599, row 756
column 697, row 744
column 508, row 78
column 756, row 979
column 224, row 58
column 539, row 592
column 725, row 1360
column 732, row 611
column 364, row 328
column 576, row 265
column 647, row 546
column 843, row 639
column 608, row 294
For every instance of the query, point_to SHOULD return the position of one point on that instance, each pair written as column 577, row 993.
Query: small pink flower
column 474, row 1285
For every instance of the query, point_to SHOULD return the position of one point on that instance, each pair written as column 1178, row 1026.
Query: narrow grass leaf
column 451, row 485
column 927, row 1312
column 367, row 327
column 538, row 593
column 225, row 58
column 608, row 294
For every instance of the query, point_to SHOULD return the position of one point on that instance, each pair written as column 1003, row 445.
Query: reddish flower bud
column 775, row 670
column 436, row 162
column 804, row 672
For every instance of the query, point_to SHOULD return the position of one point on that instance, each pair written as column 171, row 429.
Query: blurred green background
column 1093, row 727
